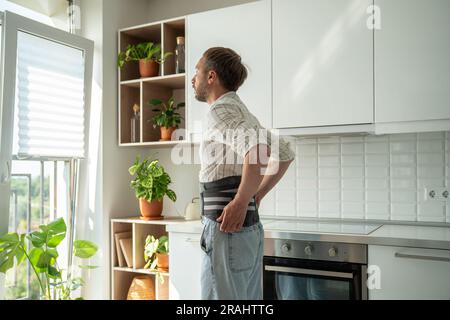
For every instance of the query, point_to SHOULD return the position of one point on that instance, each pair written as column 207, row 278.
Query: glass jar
column 179, row 56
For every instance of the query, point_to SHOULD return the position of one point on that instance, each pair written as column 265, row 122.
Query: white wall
column 165, row 9
column 100, row 22
column 370, row 177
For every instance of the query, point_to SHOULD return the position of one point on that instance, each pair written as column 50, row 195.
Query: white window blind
column 50, row 106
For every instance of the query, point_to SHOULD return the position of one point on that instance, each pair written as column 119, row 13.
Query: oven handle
column 416, row 256
column 334, row 274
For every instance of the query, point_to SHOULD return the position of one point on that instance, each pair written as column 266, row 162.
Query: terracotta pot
column 163, row 261
column 166, row 133
column 151, row 210
column 142, row 288
column 148, row 68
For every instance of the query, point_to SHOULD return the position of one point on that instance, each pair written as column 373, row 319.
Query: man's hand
column 233, row 215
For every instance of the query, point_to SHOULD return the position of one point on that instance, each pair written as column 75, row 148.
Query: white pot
column 192, row 211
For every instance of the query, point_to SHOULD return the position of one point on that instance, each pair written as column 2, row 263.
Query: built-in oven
column 314, row 270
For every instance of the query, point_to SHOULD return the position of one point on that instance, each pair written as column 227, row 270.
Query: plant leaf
column 11, row 246
column 84, row 249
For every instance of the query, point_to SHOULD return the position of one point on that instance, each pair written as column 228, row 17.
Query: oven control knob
column 308, row 250
column 332, row 252
column 285, row 248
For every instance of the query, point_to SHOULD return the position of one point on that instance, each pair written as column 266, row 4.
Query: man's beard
column 201, row 94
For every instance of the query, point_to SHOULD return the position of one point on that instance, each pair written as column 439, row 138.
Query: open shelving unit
column 136, row 90
column 122, row 277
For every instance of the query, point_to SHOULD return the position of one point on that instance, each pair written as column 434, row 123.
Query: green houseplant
column 151, row 184
column 167, row 118
column 42, row 257
column 148, row 54
column 156, row 254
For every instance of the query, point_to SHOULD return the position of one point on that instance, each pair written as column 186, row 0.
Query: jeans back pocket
column 243, row 249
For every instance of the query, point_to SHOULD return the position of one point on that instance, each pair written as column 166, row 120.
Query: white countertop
column 350, row 232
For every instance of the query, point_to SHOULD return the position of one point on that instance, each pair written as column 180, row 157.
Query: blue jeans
column 232, row 262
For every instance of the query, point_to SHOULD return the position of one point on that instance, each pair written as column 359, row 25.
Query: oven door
column 302, row 279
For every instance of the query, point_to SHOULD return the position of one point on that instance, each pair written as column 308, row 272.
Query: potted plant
column 168, row 119
column 156, row 254
column 42, row 255
column 149, row 56
column 150, row 186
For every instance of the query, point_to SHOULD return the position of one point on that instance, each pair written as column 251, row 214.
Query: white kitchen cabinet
column 185, row 266
column 409, row 273
column 412, row 65
column 245, row 29
column 322, row 63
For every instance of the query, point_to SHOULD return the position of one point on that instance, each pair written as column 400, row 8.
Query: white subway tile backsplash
column 403, row 159
column 335, row 139
column 431, row 209
column 430, row 172
column 329, row 195
column 377, row 159
column 308, row 207
column 326, row 172
column 307, row 172
column 351, row 139
column 329, row 161
column 307, row 161
column 403, row 147
column 428, row 159
column 354, row 183
column 329, row 148
column 286, row 208
column 307, row 183
column 423, row 183
column 403, row 137
column 306, row 149
column 329, row 209
column 286, row 195
column 365, row 177
column 404, row 195
column 377, row 195
column 430, row 135
column 377, row 210
column 403, row 211
column 403, row 172
column 377, row 172
column 354, row 210
column 403, row 183
column 329, row 184
column 352, row 148
column 353, row 195
column 307, row 195
column 352, row 160
column 377, row 147
column 377, row 184
column 430, row 146
column 352, row 172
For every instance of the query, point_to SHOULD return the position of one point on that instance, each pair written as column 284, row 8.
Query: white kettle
column 192, row 211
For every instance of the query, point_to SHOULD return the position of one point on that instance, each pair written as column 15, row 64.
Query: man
column 232, row 179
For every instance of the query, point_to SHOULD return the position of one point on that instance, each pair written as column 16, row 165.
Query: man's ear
column 212, row 76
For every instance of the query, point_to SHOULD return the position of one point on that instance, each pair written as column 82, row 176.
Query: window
column 43, row 132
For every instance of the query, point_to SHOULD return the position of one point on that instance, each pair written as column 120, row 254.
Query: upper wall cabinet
column 246, row 30
column 322, row 63
column 412, row 65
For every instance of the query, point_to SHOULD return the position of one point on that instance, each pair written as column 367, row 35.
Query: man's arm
column 233, row 215
column 270, row 180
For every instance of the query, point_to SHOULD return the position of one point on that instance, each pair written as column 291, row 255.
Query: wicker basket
column 142, row 288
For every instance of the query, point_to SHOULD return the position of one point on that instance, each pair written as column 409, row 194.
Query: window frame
column 11, row 24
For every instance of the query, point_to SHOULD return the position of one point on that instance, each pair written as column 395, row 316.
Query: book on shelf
column 119, row 252
column 127, row 250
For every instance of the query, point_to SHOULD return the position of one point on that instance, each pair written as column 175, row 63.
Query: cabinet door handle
column 192, row 240
column 421, row 257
